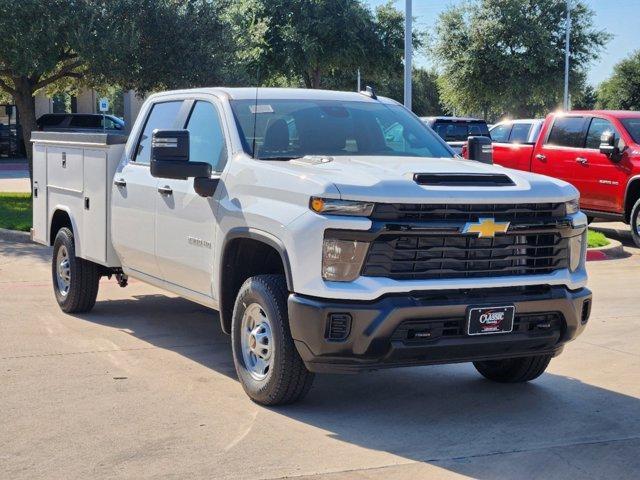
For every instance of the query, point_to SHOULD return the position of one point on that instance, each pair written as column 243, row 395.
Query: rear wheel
column 266, row 360
column 514, row 370
column 75, row 280
column 635, row 223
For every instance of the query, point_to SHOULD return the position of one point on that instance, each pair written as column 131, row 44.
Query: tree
column 621, row 91
column 141, row 44
column 585, row 99
column 507, row 56
column 322, row 43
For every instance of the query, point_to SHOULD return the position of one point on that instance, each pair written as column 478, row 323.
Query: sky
column 618, row 17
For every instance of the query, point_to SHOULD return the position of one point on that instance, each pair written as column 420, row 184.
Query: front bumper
column 378, row 330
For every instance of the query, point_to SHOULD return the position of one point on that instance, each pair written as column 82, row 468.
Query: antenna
column 369, row 92
column 255, row 115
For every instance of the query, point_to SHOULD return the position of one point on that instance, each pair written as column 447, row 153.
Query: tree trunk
column 315, row 78
column 26, row 104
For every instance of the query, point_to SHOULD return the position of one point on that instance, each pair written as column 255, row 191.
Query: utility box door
column 40, row 224
column 64, row 168
column 94, row 235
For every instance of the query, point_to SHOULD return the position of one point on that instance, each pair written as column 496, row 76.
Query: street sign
column 104, row 104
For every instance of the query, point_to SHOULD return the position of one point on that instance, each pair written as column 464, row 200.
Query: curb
column 608, row 252
column 14, row 236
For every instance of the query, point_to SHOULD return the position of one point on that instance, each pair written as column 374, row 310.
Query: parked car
column 456, row 130
column 80, row 122
column 327, row 241
column 513, row 142
column 598, row 151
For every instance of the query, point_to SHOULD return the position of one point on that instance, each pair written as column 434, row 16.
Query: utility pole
column 567, row 42
column 408, row 53
column 359, row 88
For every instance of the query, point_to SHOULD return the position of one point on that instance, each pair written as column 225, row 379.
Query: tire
column 514, row 370
column 266, row 360
column 590, row 220
column 77, row 288
column 634, row 222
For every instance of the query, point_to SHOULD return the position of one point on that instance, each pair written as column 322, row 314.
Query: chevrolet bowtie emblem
column 486, row 227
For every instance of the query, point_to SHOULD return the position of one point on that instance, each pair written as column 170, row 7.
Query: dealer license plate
column 488, row 320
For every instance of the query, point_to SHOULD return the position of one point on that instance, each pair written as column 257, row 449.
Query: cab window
column 567, row 132
column 162, row 116
column 500, row 133
column 206, row 141
column 596, row 129
column 520, row 133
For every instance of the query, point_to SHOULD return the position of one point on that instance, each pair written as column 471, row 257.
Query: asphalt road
column 144, row 387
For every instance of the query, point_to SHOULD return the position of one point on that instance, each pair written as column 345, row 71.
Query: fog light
column 577, row 251
column 342, row 259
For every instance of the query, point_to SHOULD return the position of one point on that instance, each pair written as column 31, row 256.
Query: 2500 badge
column 487, row 320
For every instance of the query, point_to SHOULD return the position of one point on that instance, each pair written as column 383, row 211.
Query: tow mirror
column 170, row 156
column 480, row 149
column 609, row 147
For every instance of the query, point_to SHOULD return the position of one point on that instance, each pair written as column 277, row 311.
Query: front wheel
column 75, row 280
column 266, row 360
column 635, row 223
column 514, row 370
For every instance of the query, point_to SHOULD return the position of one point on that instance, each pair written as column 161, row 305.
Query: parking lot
column 144, row 387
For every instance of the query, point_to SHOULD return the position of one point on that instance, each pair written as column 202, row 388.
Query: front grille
column 419, row 212
column 419, row 256
column 418, row 331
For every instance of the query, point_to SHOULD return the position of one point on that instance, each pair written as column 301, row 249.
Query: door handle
column 120, row 182
column 582, row 160
column 166, row 190
column 541, row 157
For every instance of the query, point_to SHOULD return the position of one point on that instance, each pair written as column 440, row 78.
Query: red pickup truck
column 597, row 151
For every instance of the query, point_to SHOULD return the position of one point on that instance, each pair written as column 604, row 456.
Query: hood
column 391, row 179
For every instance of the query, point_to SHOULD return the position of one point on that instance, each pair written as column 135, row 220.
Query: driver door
column 185, row 221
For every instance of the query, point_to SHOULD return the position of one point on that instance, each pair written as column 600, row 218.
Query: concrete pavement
column 144, row 387
column 14, row 175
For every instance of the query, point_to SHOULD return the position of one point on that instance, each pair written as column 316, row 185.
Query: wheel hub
column 63, row 270
column 256, row 341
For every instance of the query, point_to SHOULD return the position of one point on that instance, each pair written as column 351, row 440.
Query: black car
column 80, row 122
column 456, row 130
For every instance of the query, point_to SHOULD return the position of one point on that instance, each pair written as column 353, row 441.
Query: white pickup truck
column 333, row 232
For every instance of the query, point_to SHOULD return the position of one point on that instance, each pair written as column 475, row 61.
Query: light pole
column 567, row 42
column 408, row 52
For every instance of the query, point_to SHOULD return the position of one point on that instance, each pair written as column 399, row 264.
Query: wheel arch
column 60, row 218
column 265, row 254
column 631, row 196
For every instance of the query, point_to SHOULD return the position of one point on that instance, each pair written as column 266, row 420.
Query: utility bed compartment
column 73, row 175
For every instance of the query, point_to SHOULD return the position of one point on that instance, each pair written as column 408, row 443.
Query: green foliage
column 596, row 239
column 507, row 56
column 622, row 90
column 585, row 99
column 15, row 211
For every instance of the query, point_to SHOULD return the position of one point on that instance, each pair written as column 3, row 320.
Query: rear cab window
column 520, row 133
column 163, row 115
column 459, row 131
column 500, row 133
column 567, row 132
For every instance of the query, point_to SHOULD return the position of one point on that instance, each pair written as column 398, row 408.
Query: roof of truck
column 249, row 93
column 611, row 113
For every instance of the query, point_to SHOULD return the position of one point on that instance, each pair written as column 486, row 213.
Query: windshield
column 286, row 129
column 633, row 127
column 460, row 131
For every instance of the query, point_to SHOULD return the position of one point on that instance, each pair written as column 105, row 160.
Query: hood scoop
column 463, row 179
column 313, row 160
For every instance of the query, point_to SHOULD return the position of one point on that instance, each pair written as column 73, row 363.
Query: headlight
column 577, row 250
column 572, row 206
column 341, row 207
column 342, row 259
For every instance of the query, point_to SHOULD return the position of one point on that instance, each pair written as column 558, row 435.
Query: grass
column 596, row 239
column 15, row 211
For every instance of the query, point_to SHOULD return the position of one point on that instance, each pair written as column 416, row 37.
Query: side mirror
column 480, row 149
column 170, row 156
column 609, row 147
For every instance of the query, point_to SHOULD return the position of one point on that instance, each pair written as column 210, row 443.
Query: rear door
column 561, row 147
column 185, row 221
column 134, row 196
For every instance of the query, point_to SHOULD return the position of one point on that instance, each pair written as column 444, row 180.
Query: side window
column 567, row 132
column 596, row 129
column 500, row 133
column 163, row 116
column 520, row 133
column 206, row 141
column 85, row 121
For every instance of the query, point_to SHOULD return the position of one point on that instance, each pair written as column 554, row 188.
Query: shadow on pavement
column 427, row 414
